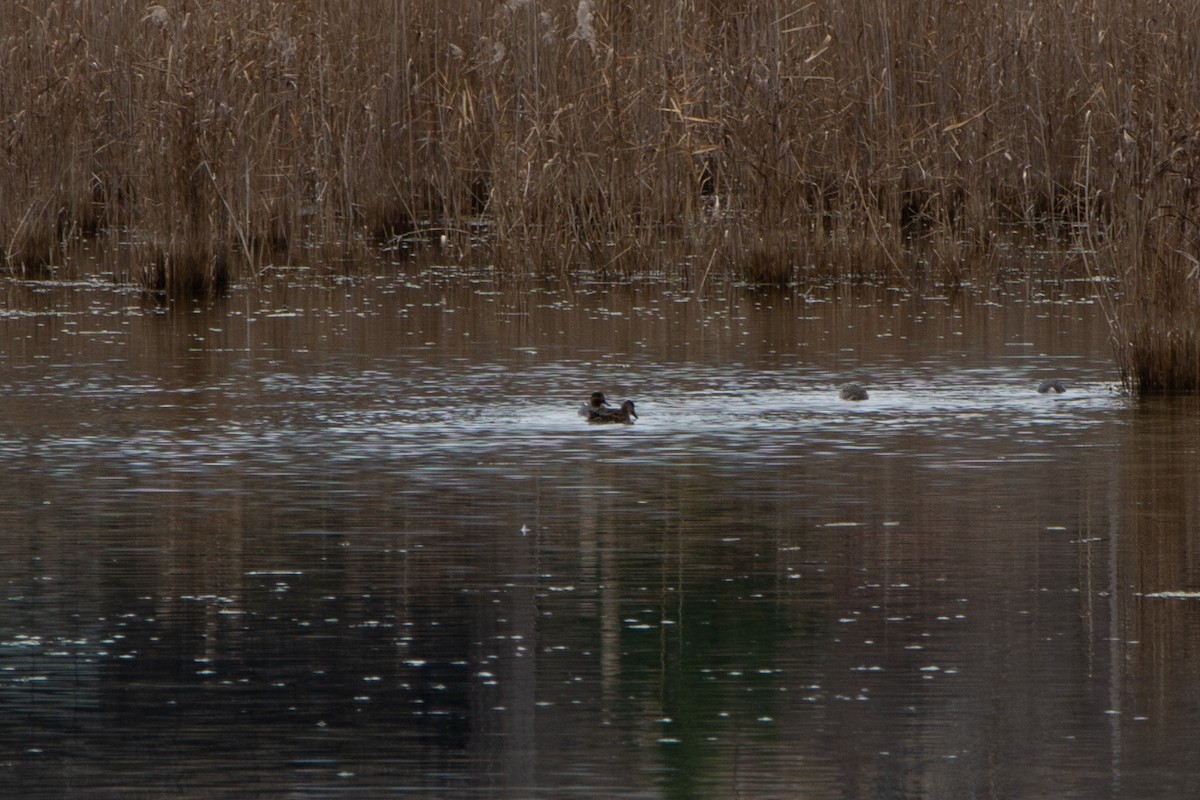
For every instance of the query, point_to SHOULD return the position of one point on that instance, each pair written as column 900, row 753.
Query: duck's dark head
column 598, row 399
column 627, row 407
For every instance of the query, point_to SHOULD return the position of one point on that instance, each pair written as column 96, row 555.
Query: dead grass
column 774, row 141
column 1156, row 317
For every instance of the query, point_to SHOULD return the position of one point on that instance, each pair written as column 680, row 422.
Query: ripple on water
column 753, row 424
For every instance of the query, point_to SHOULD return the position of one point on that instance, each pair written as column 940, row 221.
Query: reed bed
column 775, row 141
column 1155, row 254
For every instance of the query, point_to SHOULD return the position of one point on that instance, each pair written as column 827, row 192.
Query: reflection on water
column 355, row 538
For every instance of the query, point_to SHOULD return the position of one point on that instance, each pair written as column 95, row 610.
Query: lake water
column 352, row 538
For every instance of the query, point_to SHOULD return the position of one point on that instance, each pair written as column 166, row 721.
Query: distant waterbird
column 1052, row 385
column 852, row 391
column 624, row 415
column 596, row 404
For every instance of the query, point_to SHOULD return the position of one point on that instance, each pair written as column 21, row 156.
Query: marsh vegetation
column 772, row 141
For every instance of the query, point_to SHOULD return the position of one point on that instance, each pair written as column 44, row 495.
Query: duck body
column 623, row 415
column 1052, row 385
column 852, row 391
column 595, row 405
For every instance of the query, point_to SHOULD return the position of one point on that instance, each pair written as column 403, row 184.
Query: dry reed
column 777, row 141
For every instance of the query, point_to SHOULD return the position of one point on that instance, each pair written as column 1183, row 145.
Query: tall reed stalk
column 771, row 139
column 1138, row 180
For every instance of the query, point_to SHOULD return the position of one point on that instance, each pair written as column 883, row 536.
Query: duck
column 1052, row 385
column 595, row 405
column 625, row 414
column 852, row 391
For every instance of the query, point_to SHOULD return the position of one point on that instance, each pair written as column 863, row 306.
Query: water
column 353, row 538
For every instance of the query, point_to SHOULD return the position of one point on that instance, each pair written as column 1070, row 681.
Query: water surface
column 353, row 537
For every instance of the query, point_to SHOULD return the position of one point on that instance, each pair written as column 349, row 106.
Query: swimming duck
column 852, row 391
column 625, row 414
column 595, row 405
column 1052, row 385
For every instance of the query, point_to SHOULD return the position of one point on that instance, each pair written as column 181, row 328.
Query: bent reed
column 774, row 141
